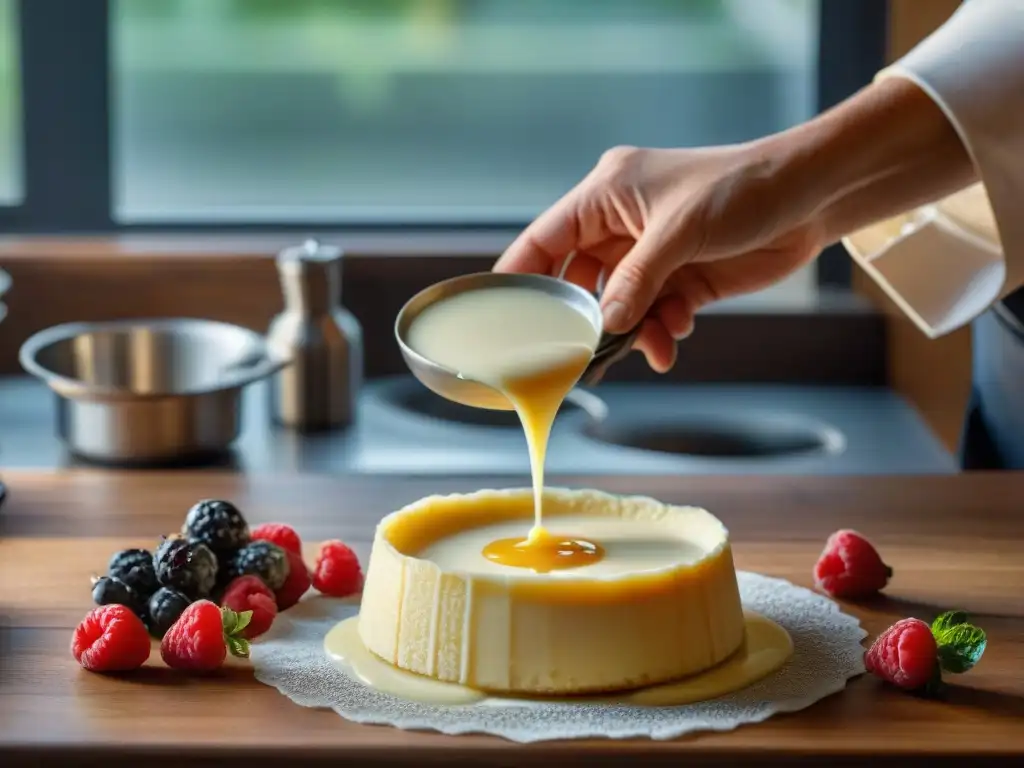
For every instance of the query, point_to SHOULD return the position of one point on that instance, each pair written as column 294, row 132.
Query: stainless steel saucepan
column 148, row 391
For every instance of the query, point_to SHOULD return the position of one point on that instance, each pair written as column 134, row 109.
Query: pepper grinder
column 323, row 341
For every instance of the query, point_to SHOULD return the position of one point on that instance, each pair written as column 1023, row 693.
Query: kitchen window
column 10, row 103
column 274, row 115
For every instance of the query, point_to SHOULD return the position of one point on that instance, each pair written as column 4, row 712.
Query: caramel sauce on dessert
column 544, row 553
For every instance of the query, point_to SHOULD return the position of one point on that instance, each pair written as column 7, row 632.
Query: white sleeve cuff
column 946, row 264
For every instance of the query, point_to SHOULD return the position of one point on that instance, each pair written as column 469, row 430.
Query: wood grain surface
column 954, row 542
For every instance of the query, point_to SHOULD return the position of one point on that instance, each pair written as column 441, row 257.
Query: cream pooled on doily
column 827, row 652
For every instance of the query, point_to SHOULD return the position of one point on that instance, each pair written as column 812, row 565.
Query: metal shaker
column 323, row 341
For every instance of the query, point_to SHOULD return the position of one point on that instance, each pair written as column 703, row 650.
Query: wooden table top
column 955, row 542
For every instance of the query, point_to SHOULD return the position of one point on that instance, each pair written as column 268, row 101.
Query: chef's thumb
column 636, row 282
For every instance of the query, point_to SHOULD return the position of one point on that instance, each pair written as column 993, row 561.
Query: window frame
column 66, row 127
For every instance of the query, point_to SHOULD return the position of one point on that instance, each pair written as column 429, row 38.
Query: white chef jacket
column 973, row 68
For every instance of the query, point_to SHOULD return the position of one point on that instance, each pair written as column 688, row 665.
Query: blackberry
column 108, row 590
column 185, row 565
column 217, row 524
column 135, row 568
column 263, row 559
column 165, row 607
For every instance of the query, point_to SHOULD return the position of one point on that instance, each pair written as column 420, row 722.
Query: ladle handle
column 611, row 347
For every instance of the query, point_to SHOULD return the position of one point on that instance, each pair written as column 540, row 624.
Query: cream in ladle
column 532, row 346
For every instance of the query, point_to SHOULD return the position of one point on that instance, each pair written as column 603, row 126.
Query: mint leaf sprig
column 233, row 624
column 960, row 646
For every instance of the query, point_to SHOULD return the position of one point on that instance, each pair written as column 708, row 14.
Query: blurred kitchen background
column 156, row 154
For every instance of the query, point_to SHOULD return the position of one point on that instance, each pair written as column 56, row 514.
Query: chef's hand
column 674, row 230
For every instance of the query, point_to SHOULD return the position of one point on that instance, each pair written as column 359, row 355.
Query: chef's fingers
column 583, row 270
column 657, row 345
column 586, row 266
column 546, row 241
column 674, row 313
column 638, row 279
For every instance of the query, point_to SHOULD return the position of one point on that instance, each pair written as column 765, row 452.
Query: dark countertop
column 721, row 429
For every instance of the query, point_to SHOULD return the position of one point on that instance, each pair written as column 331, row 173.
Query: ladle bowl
column 459, row 388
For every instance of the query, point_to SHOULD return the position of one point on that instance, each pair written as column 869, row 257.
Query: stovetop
column 614, row 429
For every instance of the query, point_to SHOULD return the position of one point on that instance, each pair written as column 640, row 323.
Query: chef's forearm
column 885, row 151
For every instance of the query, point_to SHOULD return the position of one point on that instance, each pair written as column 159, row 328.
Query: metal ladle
column 455, row 386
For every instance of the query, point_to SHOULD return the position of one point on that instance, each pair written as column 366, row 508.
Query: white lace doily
column 827, row 653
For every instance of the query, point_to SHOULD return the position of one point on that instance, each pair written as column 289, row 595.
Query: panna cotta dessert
column 542, row 591
column 615, row 593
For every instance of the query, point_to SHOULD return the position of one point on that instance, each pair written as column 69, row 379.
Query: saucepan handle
column 257, row 364
column 611, row 347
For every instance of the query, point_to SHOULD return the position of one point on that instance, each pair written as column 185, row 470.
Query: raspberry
column 278, row 533
column 111, row 638
column 337, row 572
column 248, row 593
column 905, row 654
column 913, row 655
column 297, row 583
column 200, row 639
column 849, row 566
